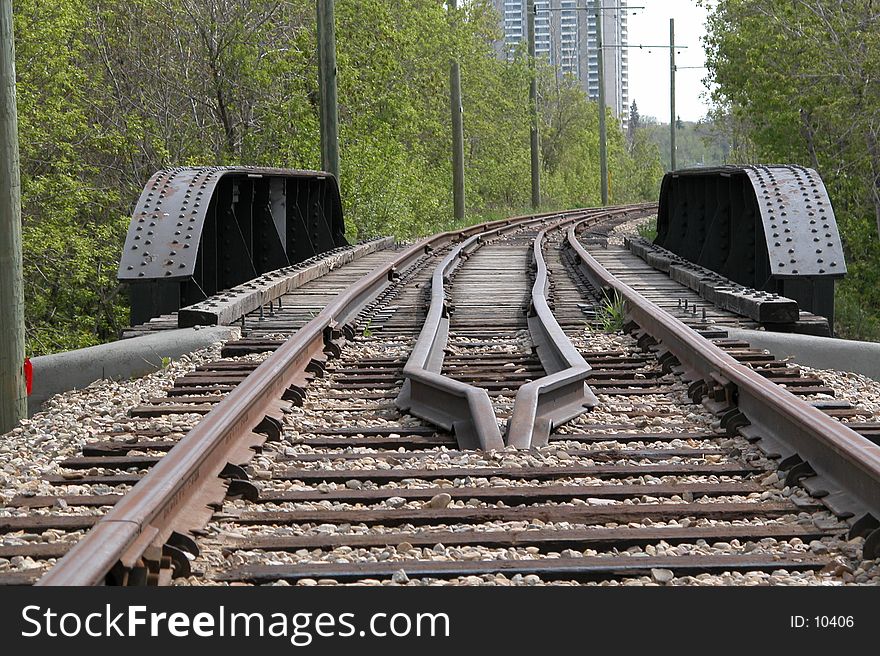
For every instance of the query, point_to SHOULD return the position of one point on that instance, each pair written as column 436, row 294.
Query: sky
column 649, row 67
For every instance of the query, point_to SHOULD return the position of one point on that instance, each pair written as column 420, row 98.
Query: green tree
column 111, row 91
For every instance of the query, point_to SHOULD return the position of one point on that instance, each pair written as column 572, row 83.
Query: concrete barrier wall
column 127, row 358
column 819, row 352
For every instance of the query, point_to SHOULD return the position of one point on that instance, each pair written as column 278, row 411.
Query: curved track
column 459, row 414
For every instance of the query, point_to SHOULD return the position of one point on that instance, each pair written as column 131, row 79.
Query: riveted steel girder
column 767, row 227
column 197, row 231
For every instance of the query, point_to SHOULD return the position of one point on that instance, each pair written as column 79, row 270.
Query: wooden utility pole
column 327, row 82
column 603, row 142
column 672, row 117
column 533, row 107
column 13, row 397
column 457, row 129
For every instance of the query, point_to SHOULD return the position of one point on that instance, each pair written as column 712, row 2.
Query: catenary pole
column 327, row 82
column 457, row 131
column 672, row 117
column 13, row 397
column 533, row 107
column 603, row 136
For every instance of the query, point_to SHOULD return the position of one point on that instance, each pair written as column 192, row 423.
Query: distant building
column 565, row 33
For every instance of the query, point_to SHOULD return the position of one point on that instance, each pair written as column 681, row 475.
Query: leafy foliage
column 699, row 143
column 110, row 91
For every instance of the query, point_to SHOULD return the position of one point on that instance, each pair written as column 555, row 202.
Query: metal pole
column 533, row 106
column 327, row 81
column 603, row 144
column 457, row 132
column 13, row 397
column 672, row 118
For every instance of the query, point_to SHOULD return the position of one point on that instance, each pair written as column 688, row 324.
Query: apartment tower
column 565, row 34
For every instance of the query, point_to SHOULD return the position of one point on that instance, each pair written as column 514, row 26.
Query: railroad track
column 459, row 414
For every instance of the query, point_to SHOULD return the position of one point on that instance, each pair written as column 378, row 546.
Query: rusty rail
column 562, row 394
column 453, row 405
column 144, row 537
column 230, row 305
column 837, row 463
column 465, row 410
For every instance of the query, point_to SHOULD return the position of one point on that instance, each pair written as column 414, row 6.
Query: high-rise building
column 565, row 34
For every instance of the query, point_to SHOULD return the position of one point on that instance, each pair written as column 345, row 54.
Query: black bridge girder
column 197, row 231
column 771, row 228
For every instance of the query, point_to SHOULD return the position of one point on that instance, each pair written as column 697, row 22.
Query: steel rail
column 844, row 465
column 144, row 537
column 461, row 408
column 466, row 410
column 562, row 394
column 231, row 305
column 543, row 404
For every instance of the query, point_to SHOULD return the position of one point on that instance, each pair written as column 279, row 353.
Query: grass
column 648, row 229
column 611, row 314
